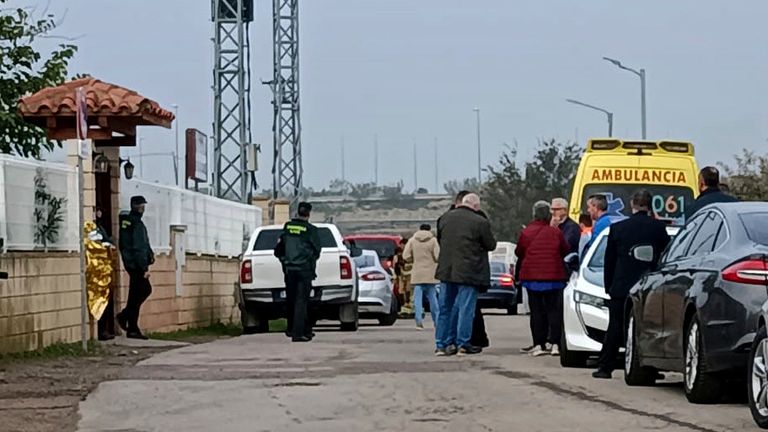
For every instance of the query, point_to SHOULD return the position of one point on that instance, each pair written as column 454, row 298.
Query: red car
column 384, row 245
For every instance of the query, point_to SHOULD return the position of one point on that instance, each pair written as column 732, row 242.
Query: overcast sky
column 412, row 71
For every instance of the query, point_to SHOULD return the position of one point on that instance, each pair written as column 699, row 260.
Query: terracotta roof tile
column 103, row 99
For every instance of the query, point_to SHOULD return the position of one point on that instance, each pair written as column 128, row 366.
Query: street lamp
column 477, row 112
column 607, row 113
column 641, row 74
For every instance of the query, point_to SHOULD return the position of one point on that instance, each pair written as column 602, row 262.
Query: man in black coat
column 298, row 250
column 465, row 239
column 634, row 247
column 710, row 192
column 137, row 258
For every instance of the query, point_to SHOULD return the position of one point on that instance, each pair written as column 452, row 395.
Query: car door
column 697, row 265
column 651, row 314
column 679, row 272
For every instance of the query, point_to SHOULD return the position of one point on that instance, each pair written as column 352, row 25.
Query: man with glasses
column 570, row 229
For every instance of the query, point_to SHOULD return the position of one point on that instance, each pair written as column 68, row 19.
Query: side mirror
column 572, row 262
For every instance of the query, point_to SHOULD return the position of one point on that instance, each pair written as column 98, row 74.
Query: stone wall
column 40, row 302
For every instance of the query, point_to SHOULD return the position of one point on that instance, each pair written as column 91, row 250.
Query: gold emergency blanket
column 98, row 273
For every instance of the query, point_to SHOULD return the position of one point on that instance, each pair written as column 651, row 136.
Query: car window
column 267, row 239
column 704, row 240
column 366, row 261
column 499, row 267
column 384, row 248
column 598, row 258
column 757, row 229
column 680, row 245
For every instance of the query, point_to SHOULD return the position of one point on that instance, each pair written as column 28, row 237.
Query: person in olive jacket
column 465, row 240
column 137, row 258
column 298, row 249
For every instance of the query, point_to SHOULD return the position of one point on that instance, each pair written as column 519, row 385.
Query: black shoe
column 602, row 374
column 122, row 321
column 106, row 337
column 301, row 339
column 469, row 350
column 136, row 335
column 288, row 334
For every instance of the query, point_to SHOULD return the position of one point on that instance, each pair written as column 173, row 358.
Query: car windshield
column 363, row 261
column 598, row 258
column 384, row 248
column 597, row 262
column 757, row 229
column 267, row 239
column 498, row 268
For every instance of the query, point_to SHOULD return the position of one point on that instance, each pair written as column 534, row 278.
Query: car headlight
column 589, row 299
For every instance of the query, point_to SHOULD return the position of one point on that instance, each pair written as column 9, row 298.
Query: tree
column 510, row 190
column 748, row 181
column 23, row 71
column 455, row 186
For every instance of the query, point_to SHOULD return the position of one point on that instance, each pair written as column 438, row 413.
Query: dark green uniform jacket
column 134, row 243
column 298, row 247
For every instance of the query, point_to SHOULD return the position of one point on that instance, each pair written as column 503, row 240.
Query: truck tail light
column 507, row 280
column 345, row 265
column 751, row 271
column 246, row 272
column 373, row 276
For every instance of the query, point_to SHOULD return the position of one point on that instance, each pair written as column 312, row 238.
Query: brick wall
column 40, row 302
column 207, row 294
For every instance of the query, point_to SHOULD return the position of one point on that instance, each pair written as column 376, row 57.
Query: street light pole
column 602, row 110
column 477, row 112
column 641, row 74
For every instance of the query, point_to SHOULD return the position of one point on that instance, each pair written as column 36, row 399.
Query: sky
column 411, row 73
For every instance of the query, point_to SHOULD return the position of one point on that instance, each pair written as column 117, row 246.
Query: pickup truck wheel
column 252, row 323
column 349, row 326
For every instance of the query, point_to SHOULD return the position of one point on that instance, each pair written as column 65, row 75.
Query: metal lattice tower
column 232, row 113
column 287, row 170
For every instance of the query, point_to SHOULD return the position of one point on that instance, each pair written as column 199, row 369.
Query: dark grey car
column 697, row 314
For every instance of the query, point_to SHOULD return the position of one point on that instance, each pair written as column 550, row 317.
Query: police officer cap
column 305, row 208
column 138, row 200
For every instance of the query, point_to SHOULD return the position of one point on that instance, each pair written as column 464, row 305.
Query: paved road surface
column 385, row 379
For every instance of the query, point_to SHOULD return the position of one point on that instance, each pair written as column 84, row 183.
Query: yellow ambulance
column 617, row 168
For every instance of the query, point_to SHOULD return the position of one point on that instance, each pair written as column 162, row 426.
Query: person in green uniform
column 137, row 257
column 298, row 249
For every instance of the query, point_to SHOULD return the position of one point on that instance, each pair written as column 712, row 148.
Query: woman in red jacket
column 540, row 251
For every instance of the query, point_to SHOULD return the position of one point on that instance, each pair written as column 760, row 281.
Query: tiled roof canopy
column 113, row 112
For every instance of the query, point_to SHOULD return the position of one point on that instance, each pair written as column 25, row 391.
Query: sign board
column 197, row 155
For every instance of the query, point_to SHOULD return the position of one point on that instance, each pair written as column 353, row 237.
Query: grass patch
column 278, row 326
column 216, row 330
column 55, row 351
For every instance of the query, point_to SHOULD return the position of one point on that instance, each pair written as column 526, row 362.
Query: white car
column 261, row 291
column 585, row 306
column 376, row 289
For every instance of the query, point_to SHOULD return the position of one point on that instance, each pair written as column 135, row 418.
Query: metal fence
column 38, row 205
column 213, row 226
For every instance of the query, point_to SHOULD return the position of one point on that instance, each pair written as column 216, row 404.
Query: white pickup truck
column 261, row 291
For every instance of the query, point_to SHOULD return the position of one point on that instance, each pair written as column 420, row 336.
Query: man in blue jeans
column 465, row 239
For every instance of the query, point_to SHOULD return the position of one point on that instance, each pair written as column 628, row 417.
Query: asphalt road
column 385, row 379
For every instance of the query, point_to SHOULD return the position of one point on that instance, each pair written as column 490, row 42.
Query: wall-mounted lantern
column 127, row 168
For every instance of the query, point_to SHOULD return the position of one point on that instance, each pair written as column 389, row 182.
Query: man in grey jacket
column 463, row 268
